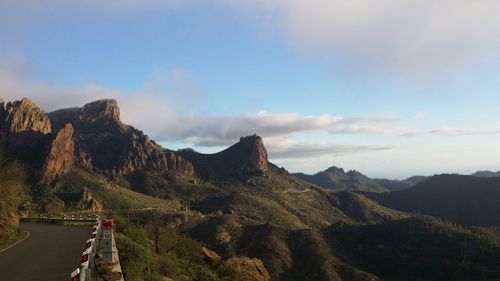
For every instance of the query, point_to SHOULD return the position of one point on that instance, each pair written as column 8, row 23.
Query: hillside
column 419, row 248
column 396, row 185
column 338, row 179
column 466, row 200
column 235, row 202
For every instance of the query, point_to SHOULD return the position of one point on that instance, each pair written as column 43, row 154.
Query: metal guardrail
column 83, row 272
column 99, row 249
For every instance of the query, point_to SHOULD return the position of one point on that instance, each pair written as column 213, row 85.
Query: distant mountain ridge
column 337, row 179
column 486, row 174
column 395, row 185
column 468, row 200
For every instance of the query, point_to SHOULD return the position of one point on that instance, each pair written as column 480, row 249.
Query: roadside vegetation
column 12, row 192
column 151, row 252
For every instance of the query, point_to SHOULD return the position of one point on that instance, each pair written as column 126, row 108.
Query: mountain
column 236, row 202
column 486, row 174
column 245, row 159
column 103, row 143
column 338, row 179
column 419, row 248
column 395, row 185
column 468, row 200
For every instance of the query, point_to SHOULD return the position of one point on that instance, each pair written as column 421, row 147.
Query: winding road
column 50, row 253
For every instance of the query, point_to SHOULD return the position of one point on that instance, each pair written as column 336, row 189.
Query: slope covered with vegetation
column 419, row 248
column 466, row 200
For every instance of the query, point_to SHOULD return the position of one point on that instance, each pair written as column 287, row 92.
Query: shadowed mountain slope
column 466, row 200
column 338, row 179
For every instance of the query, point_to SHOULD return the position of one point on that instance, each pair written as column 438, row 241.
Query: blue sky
column 392, row 88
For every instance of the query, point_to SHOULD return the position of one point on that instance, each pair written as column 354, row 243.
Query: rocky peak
column 334, row 169
column 59, row 159
column 87, row 202
column 253, row 148
column 25, row 116
column 101, row 109
column 245, row 159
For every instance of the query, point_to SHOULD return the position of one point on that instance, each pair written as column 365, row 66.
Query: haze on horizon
column 392, row 88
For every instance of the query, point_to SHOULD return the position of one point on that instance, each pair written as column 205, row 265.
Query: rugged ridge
column 337, row 179
column 245, row 159
column 23, row 127
column 104, row 143
column 26, row 116
column 59, row 159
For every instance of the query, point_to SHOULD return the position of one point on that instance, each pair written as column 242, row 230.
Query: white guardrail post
column 84, row 272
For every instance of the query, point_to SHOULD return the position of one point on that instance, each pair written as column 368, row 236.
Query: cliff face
column 25, row 116
column 23, row 126
column 253, row 155
column 104, row 143
column 59, row 159
column 94, row 137
column 245, row 159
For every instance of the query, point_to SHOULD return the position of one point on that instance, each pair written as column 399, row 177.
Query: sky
column 392, row 88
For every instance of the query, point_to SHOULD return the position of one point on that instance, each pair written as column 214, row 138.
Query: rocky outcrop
column 210, row 257
column 104, row 143
column 105, row 109
column 101, row 115
column 59, row 159
column 245, row 159
column 23, row 127
column 248, row 269
column 256, row 163
column 88, row 203
column 25, row 116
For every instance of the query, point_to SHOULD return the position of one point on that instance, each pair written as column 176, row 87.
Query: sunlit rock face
column 59, row 159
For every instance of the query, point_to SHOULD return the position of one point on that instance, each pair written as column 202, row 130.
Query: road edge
column 18, row 242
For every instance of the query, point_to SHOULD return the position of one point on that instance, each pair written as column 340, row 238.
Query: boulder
column 211, row 257
column 248, row 269
column 88, row 203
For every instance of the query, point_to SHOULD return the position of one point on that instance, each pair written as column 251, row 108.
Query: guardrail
column 100, row 251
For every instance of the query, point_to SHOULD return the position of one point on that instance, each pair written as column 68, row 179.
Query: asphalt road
column 50, row 253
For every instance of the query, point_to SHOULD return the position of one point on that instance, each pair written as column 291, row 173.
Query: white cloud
column 416, row 39
column 161, row 109
column 288, row 149
column 452, row 132
column 368, row 129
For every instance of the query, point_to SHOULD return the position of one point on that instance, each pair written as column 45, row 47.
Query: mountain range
column 334, row 225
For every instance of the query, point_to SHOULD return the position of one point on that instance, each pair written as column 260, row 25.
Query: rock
column 248, row 269
column 105, row 109
column 25, row 116
column 243, row 160
column 257, row 155
column 59, row 160
column 103, row 143
column 23, row 128
column 88, row 203
column 223, row 238
column 211, row 257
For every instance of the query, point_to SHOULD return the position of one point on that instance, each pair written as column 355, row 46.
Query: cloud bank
column 417, row 39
